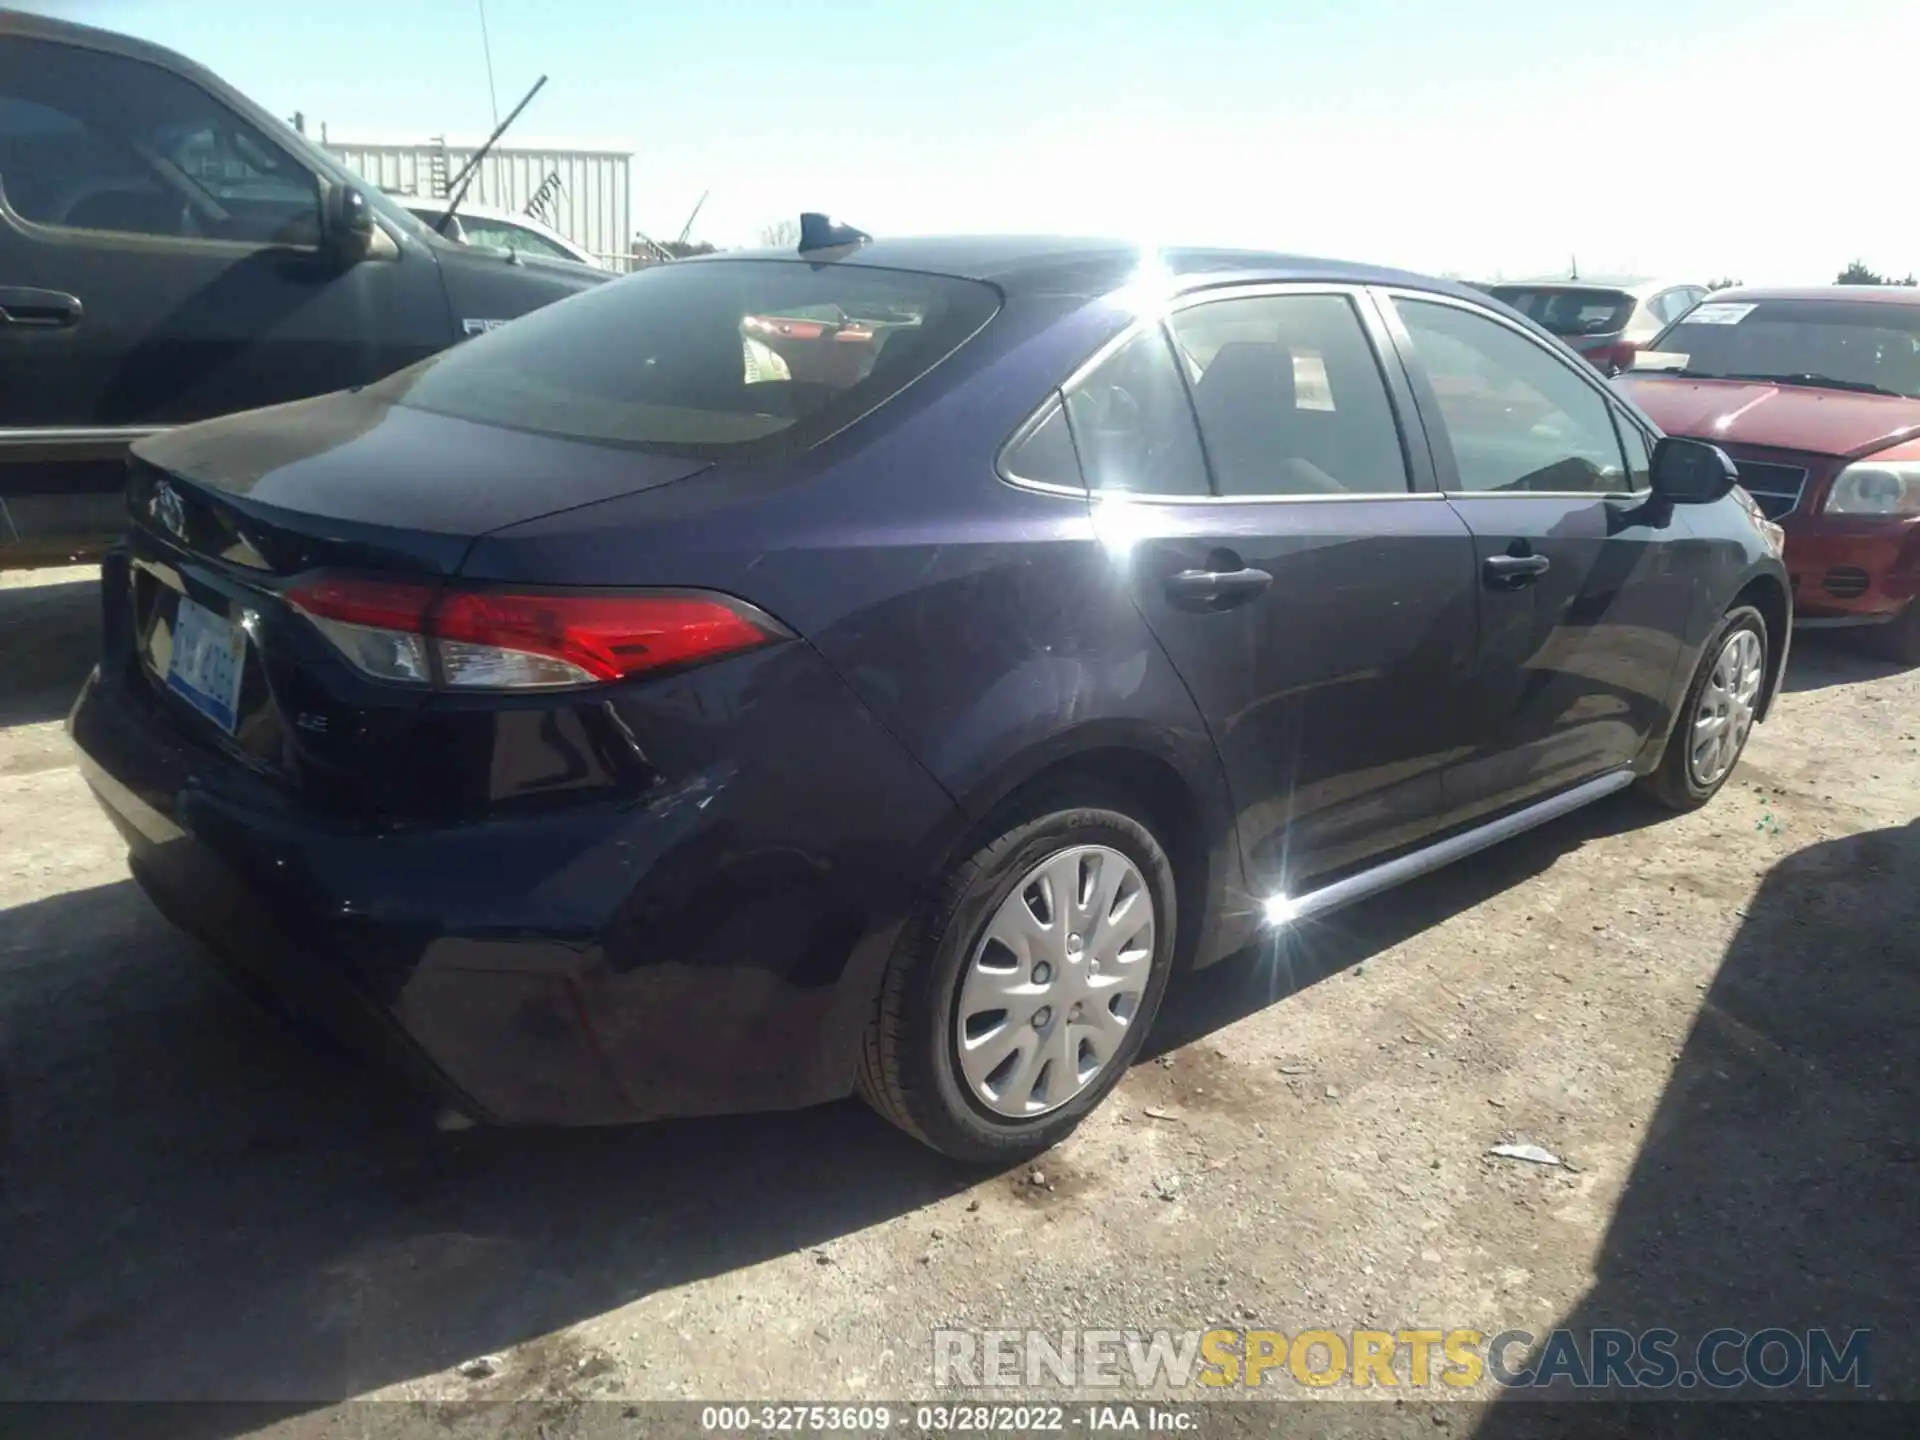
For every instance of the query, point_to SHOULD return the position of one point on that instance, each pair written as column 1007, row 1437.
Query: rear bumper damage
column 712, row 947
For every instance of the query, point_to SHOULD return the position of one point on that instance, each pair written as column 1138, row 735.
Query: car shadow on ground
column 194, row 1205
column 1779, row 1181
column 1834, row 657
column 1200, row 1003
column 49, row 639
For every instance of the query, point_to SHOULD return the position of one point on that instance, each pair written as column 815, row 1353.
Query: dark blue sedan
column 882, row 666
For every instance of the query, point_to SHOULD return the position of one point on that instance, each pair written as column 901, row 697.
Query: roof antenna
column 1573, row 267
column 819, row 232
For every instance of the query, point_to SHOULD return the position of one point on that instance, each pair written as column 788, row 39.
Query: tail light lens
column 1616, row 357
column 523, row 640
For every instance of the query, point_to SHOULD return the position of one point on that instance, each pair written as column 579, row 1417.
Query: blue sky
column 1767, row 141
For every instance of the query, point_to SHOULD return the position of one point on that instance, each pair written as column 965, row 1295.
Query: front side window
column 1517, row 418
column 694, row 359
column 91, row 141
column 1290, row 397
column 1863, row 345
column 1639, row 454
column 1132, row 423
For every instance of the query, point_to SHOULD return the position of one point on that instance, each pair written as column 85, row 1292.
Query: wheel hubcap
column 1724, row 717
column 1054, row 981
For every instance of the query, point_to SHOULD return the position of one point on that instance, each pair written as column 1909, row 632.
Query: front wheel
column 1722, row 703
column 1020, row 995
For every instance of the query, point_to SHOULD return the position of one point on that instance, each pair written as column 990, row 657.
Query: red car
column 1816, row 396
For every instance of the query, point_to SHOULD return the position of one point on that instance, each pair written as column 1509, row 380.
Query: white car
column 499, row 230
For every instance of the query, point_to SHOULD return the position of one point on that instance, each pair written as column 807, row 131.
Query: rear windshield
column 706, row 358
column 1563, row 311
column 1859, row 343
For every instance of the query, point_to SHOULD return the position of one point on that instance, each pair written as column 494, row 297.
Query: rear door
column 1584, row 600
column 1292, row 558
column 160, row 263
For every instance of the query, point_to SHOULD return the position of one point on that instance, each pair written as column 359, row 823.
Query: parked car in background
column 1816, row 396
column 496, row 229
column 676, row 734
column 1604, row 323
column 170, row 251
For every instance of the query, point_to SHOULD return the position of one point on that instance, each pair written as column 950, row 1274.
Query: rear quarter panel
column 982, row 624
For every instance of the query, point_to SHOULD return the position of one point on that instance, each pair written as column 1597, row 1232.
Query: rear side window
column 706, row 358
column 1045, row 453
column 1290, row 397
column 1562, row 310
column 1132, row 424
column 498, row 235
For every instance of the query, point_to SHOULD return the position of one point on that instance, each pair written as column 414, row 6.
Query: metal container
column 587, row 200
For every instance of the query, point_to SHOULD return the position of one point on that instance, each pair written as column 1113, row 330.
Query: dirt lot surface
column 1714, row 1019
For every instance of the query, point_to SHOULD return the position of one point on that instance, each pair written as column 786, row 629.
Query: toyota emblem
column 166, row 508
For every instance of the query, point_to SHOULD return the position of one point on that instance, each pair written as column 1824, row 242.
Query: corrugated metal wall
column 590, row 207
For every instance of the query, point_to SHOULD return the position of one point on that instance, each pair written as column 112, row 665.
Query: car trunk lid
column 231, row 514
column 353, row 478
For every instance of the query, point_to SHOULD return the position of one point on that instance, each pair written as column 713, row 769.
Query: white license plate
column 207, row 658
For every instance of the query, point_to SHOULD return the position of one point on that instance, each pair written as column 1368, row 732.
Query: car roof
column 1876, row 294
column 45, row 27
column 1078, row 265
column 1639, row 289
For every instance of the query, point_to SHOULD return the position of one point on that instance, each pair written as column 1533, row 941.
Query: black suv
column 169, row 251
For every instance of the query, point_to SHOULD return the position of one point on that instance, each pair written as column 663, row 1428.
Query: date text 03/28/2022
column 945, row 1419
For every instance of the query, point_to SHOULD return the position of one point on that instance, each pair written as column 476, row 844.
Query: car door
column 1292, row 559
column 1583, row 601
column 160, row 262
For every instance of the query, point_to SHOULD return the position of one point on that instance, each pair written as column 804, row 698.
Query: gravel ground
column 1712, row 1018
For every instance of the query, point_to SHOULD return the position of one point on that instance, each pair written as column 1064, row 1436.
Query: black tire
column 910, row 1068
column 1672, row 782
column 1899, row 641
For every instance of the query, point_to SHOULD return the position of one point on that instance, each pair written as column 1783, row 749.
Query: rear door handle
column 1510, row 572
column 1216, row 589
column 22, row 305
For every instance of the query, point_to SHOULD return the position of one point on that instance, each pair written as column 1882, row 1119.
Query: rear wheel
column 1020, row 995
column 1722, row 703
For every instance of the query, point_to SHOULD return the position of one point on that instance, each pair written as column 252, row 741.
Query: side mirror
column 1691, row 472
column 347, row 227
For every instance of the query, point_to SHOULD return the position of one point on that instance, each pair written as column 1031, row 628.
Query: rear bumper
column 704, row 950
column 1852, row 572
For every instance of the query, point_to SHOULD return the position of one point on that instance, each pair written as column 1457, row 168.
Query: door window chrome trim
column 1358, row 294
column 78, row 434
column 1636, row 495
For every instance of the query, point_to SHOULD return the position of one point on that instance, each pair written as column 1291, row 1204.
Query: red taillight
column 1615, row 357
column 519, row 640
column 608, row 637
column 385, row 605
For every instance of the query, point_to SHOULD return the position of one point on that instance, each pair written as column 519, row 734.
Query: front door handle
column 1216, row 589
column 1510, row 572
column 22, row 305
